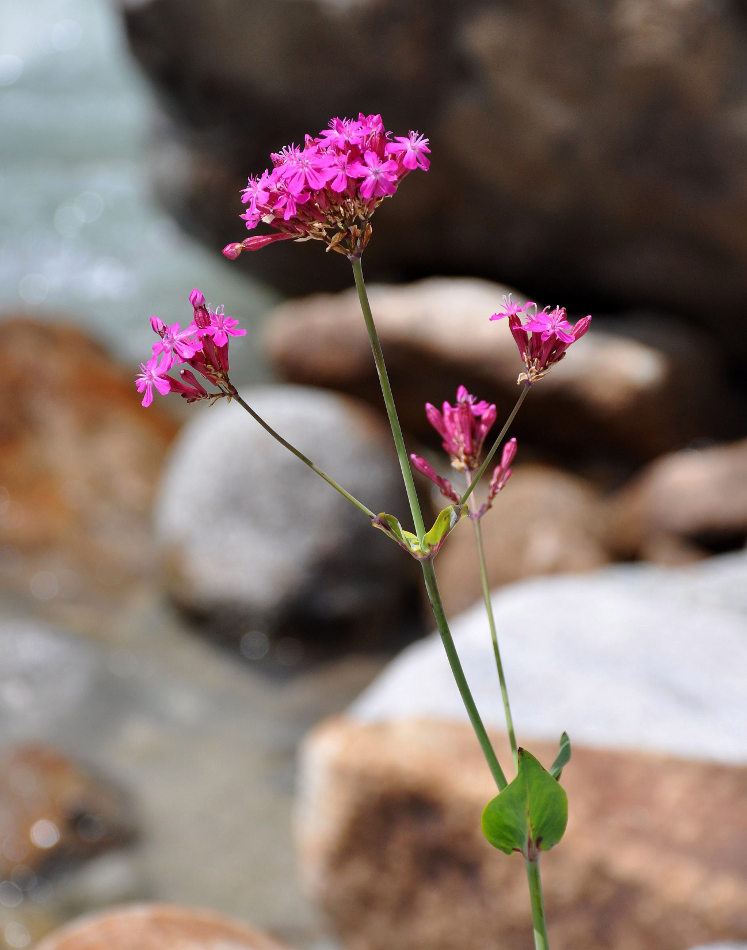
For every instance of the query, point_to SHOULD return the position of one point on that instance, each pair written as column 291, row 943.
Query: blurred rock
column 631, row 396
column 546, row 521
column 157, row 927
column 53, row 812
column 615, row 170
column 79, row 460
column 631, row 656
column 388, row 821
column 257, row 544
column 683, row 506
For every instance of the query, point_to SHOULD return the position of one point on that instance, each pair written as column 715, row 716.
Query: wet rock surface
column 615, row 170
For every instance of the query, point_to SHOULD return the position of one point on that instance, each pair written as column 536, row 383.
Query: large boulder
column 79, row 465
column 630, row 393
column 158, row 927
column 592, row 150
column 643, row 667
column 257, row 544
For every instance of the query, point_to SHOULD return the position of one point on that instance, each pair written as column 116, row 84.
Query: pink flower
column 379, row 176
column 463, row 427
column 412, row 150
column 444, row 485
column 328, row 189
column 203, row 346
column 544, row 339
column 152, row 377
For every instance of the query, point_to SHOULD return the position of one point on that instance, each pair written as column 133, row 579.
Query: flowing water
column 81, row 238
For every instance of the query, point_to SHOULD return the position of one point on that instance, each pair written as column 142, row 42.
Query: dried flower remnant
column 544, row 339
column 463, row 428
column 329, row 189
column 203, row 345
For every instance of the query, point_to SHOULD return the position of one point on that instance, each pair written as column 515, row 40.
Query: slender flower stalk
column 539, row 921
column 391, row 409
column 476, row 523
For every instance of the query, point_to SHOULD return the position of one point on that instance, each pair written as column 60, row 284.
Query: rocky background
column 183, row 607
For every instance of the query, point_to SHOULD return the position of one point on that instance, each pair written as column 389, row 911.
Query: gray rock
column 631, row 657
column 616, row 167
column 254, row 541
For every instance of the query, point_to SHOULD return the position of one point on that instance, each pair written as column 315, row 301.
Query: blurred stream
column 81, row 237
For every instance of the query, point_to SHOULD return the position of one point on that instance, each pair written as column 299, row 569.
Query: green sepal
column 432, row 541
column 562, row 758
column 530, row 814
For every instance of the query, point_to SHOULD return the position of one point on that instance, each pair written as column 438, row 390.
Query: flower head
column 463, row 427
column 328, row 189
column 203, row 345
column 543, row 339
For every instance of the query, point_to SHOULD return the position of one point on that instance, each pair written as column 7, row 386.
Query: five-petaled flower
column 544, row 339
column 329, row 189
column 203, row 345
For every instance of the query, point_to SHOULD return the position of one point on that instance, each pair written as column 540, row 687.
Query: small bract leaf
column 562, row 758
column 405, row 539
column 447, row 519
column 530, row 814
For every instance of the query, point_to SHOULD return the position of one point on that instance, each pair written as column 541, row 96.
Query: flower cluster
column 544, row 339
column 203, row 345
column 463, row 428
column 329, row 189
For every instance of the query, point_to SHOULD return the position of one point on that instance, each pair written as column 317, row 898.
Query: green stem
column 538, row 911
column 431, row 586
column 494, row 637
column 386, row 389
column 299, row 455
column 494, row 448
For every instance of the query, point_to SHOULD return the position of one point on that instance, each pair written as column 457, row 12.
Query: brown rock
column 611, row 394
column 54, row 812
column 157, row 927
column 546, row 521
column 616, row 167
column 684, row 506
column 389, row 831
column 79, row 459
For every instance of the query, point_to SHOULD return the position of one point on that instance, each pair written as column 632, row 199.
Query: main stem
column 538, row 911
column 494, row 638
column 391, row 410
column 299, row 455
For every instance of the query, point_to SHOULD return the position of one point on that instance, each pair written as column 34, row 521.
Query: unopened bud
column 232, row 251
column 196, row 298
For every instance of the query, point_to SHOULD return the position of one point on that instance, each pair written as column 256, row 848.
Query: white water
column 81, row 239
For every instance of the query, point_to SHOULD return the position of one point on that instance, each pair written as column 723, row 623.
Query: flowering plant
column 328, row 190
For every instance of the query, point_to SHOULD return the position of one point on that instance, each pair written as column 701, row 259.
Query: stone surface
column 616, row 169
column 252, row 540
column 631, row 656
column 158, row 927
column 54, row 812
column 389, row 833
column 79, row 462
column 546, row 521
column 631, row 396
column 202, row 745
column 684, row 504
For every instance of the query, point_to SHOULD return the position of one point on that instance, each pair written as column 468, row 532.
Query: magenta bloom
column 329, row 189
column 463, row 427
column 152, row 377
column 544, row 339
column 203, row 345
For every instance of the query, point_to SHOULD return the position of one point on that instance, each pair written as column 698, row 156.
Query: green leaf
column 530, row 814
column 447, row 519
column 562, row 758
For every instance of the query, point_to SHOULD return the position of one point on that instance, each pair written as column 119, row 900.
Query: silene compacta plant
column 328, row 190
